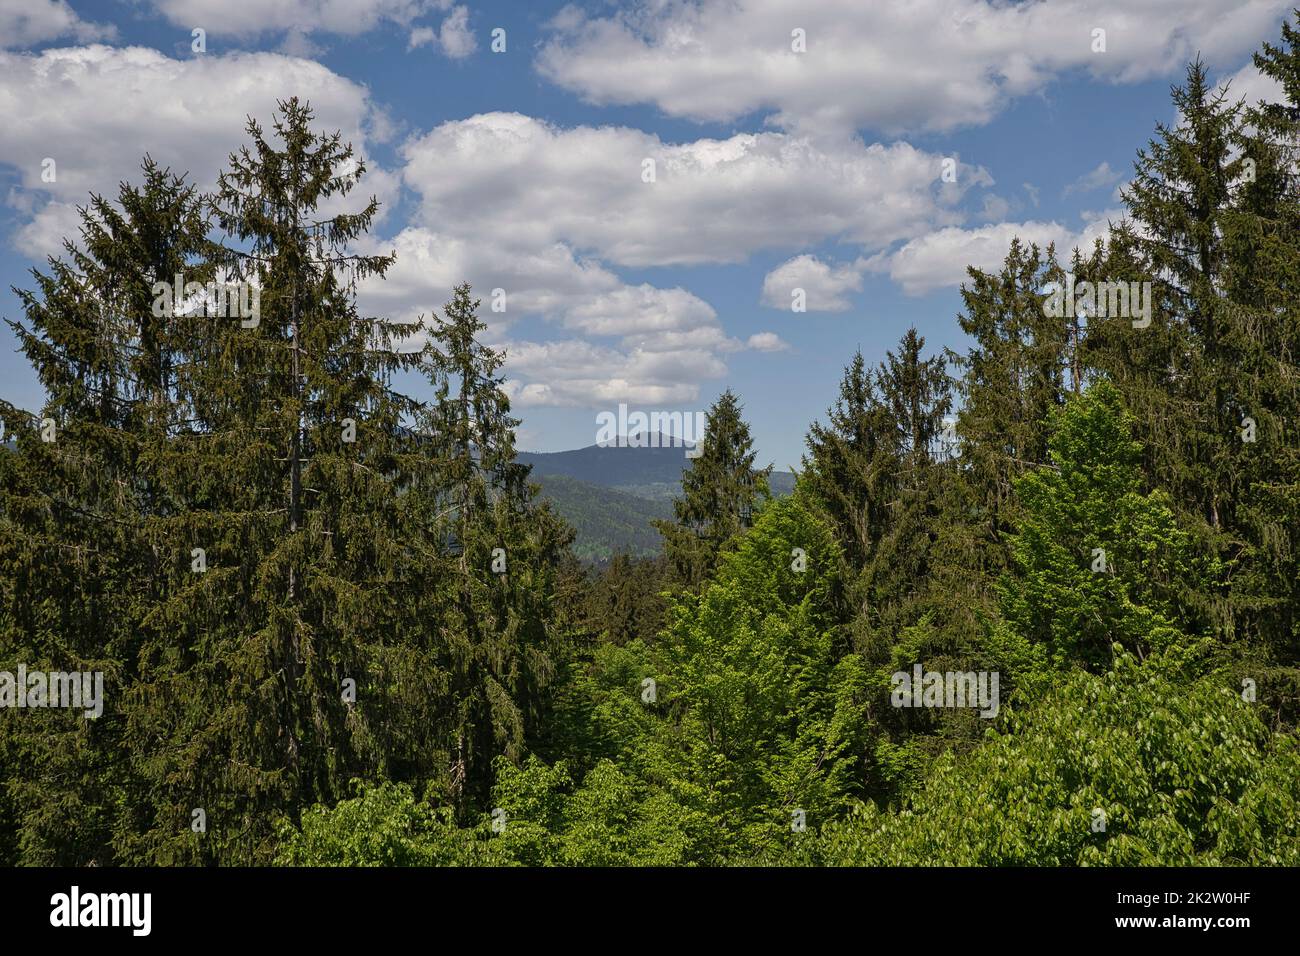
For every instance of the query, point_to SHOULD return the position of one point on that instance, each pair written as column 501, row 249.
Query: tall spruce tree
column 77, row 572
column 849, row 467
column 1180, row 203
column 257, row 527
column 1013, row 376
column 721, row 491
column 887, row 471
column 1263, row 283
column 915, row 395
column 879, row 468
column 500, row 630
column 1212, row 383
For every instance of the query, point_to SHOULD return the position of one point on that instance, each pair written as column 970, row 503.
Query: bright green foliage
column 383, row 825
column 1097, row 562
column 1181, row 768
column 611, row 819
column 766, row 705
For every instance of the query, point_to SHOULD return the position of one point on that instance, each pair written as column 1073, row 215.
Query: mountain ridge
column 611, row 493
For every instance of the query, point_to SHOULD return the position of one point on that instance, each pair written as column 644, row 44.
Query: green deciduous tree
column 1096, row 561
column 1155, row 763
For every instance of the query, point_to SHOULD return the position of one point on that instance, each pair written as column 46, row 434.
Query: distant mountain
column 647, row 472
column 611, row 465
column 610, row 494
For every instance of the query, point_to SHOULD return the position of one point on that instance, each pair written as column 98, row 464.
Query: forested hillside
column 1033, row 601
column 606, row 522
column 612, row 496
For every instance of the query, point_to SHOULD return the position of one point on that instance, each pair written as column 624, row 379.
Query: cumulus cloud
column 550, row 281
column 665, row 341
column 940, row 259
column 1098, row 178
column 25, row 23
column 824, row 286
column 95, row 110
column 422, row 36
column 767, row 342
column 256, row 17
column 578, row 373
column 925, row 64
column 454, row 38
column 711, row 200
column 455, row 35
column 44, row 233
column 1252, row 86
column 546, row 214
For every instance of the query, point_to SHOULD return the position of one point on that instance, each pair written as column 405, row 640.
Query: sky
column 651, row 185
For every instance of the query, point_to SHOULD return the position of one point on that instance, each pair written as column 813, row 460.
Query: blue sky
column 776, row 168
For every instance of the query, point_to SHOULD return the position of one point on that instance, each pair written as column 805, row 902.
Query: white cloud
column 1098, row 178
column 581, row 374
column 43, row 235
column 454, row 37
column 825, row 287
column 933, row 64
column 549, row 281
column 422, row 36
column 25, row 23
column 940, row 258
column 1253, row 86
column 665, row 342
column 705, row 336
column 639, row 310
column 95, row 110
column 546, row 213
column 256, row 17
column 712, row 200
column 766, row 342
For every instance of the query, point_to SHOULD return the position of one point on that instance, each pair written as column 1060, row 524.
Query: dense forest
column 338, row 626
